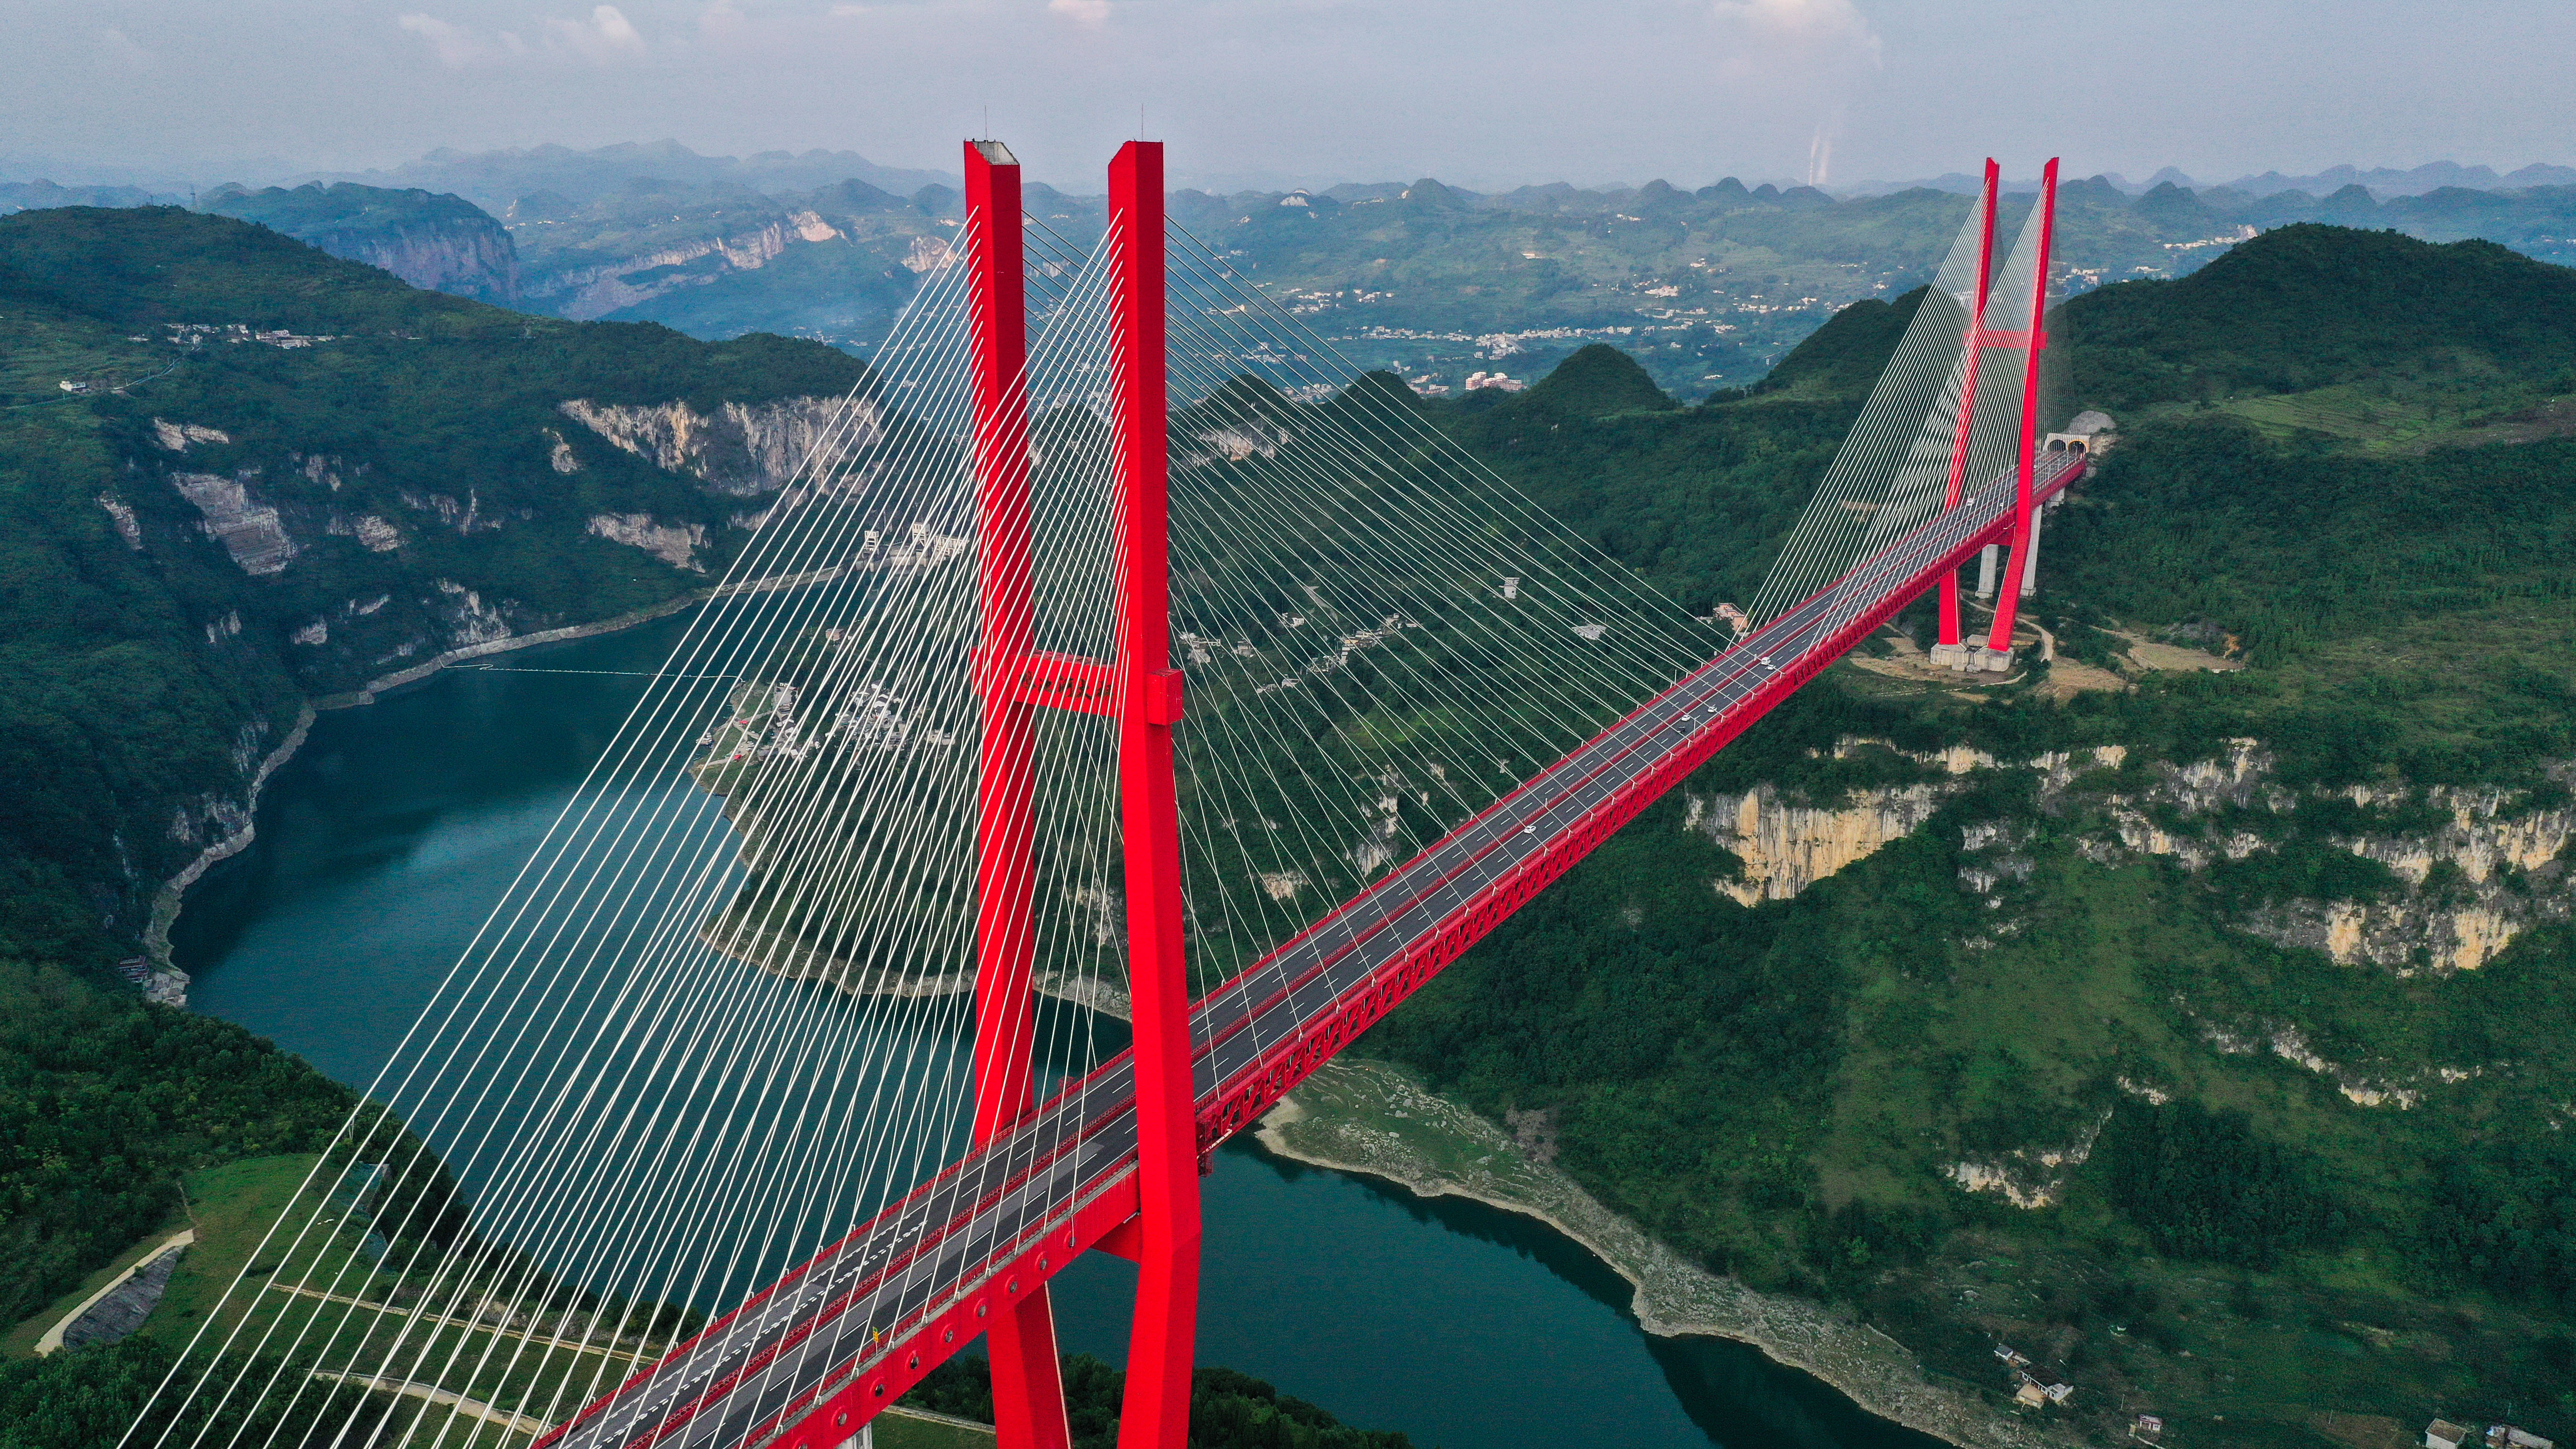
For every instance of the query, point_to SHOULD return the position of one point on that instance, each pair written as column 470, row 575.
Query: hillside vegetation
column 276, row 476
column 2074, row 1061
column 2196, row 1037
column 285, row 475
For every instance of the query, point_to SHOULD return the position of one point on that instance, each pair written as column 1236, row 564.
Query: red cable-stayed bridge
column 1110, row 1161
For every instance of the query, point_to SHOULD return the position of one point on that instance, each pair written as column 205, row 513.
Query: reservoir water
column 386, row 840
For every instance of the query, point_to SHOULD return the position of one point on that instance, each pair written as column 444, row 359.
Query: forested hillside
column 238, row 474
column 442, row 243
column 2185, row 1011
column 2181, row 1010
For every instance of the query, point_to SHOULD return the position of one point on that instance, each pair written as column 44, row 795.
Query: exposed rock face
column 2483, row 839
column 675, row 546
column 127, row 527
column 596, row 291
column 210, row 819
column 474, row 622
column 1787, row 848
column 249, row 530
column 928, row 253
column 2029, row 1178
column 2504, row 875
column 2290, row 1044
column 373, row 534
column 175, row 437
column 430, row 239
column 466, row 261
column 2474, row 884
column 464, row 517
column 739, row 450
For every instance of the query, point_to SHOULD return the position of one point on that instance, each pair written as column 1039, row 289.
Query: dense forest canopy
column 416, row 465
column 2341, row 458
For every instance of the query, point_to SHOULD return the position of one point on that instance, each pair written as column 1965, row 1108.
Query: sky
column 1481, row 93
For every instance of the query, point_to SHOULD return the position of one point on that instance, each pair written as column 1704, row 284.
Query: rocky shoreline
column 168, row 984
column 1372, row 1119
column 1367, row 1118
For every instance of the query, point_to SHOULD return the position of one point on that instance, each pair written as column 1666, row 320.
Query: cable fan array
column 726, row 1011
column 1933, row 413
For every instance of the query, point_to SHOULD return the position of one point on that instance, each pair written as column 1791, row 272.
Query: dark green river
column 386, row 840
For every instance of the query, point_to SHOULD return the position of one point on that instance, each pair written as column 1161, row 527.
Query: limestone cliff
column 742, row 450
column 586, row 286
column 2493, row 865
column 432, row 240
column 2474, row 883
column 674, row 545
column 1787, row 847
column 468, row 261
column 248, row 529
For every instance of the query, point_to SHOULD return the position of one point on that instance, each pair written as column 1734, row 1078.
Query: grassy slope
column 1782, row 1089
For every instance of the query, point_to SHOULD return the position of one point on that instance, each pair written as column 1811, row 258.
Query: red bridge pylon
column 1143, row 692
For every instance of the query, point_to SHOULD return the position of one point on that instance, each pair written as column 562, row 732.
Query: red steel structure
column 1143, row 693
column 1028, row 1391
column 1156, row 1414
column 1112, row 1161
column 1974, row 346
column 2008, row 595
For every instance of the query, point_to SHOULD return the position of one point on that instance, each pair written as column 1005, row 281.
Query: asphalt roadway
column 850, row 1306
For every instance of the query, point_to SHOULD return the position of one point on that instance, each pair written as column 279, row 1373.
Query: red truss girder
column 1247, row 1095
column 1101, row 1213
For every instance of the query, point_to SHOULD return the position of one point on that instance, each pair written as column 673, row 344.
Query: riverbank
column 168, row 984
column 1372, row 1119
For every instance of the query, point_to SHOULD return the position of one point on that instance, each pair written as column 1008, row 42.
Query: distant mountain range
column 2381, row 181
column 494, row 180
column 1707, row 287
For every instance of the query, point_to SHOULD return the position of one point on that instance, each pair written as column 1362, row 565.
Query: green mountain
column 2181, row 1011
column 441, row 242
column 2183, row 1014
column 240, row 475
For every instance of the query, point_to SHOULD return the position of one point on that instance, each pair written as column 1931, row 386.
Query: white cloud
column 1803, row 25
column 607, row 35
column 454, row 46
column 1087, row 12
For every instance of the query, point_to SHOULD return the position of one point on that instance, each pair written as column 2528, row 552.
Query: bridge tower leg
column 1156, row 1414
column 1998, row 654
column 1028, row 1387
column 1950, row 650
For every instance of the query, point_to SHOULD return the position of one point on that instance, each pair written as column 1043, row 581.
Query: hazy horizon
column 1295, row 92
column 255, row 173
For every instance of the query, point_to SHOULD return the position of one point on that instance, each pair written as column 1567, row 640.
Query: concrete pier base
column 1992, row 660
column 1954, row 656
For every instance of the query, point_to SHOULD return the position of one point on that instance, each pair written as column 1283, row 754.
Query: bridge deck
column 809, row 1359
